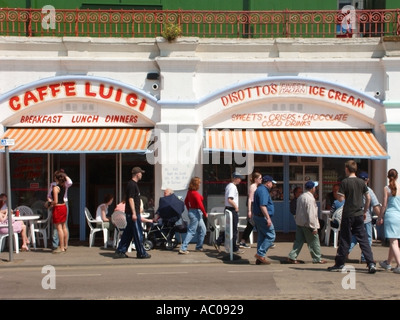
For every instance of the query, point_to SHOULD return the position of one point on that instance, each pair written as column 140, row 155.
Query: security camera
column 377, row 94
column 155, row 86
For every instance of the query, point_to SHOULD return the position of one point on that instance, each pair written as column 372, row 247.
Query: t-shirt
column 231, row 191
column 262, row 198
column 132, row 191
column 353, row 189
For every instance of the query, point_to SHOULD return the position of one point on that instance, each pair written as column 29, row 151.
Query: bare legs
column 394, row 252
column 62, row 235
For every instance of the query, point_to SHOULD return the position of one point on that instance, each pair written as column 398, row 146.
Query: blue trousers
column 133, row 231
column 196, row 225
column 265, row 235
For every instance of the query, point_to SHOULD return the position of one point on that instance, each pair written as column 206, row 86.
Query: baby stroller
column 162, row 232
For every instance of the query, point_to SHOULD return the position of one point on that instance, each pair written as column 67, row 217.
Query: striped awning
column 78, row 140
column 321, row 143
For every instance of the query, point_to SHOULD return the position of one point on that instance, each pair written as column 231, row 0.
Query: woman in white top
column 102, row 212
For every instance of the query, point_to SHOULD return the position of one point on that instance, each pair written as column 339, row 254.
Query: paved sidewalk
column 80, row 254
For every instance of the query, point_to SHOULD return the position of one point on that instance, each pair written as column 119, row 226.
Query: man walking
column 374, row 208
column 353, row 189
column 133, row 228
column 263, row 210
column 307, row 225
column 232, row 204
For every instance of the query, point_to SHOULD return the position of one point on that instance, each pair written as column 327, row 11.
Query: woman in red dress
column 60, row 211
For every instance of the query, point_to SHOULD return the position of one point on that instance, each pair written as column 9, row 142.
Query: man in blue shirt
column 263, row 210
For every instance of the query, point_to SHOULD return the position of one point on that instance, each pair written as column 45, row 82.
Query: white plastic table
column 31, row 224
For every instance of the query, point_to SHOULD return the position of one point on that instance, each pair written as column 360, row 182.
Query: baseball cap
column 363, row 175
column 311, row 184
column 268, row 178
column 136, row 170
column 238, row 175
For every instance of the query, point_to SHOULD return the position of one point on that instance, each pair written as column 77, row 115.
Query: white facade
column 205, row 83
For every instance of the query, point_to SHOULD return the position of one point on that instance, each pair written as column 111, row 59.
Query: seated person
column 167, row 192
column 121, row 207
column 18, row 226
column 337, row 217
column 102, row 212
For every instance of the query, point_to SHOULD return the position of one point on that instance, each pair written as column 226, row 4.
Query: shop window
column 28, row 178
column 277, row 158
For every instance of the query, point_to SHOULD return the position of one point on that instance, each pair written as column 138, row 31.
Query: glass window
column 28, row 178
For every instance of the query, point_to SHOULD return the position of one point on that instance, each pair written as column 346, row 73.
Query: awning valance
column 78, row 140
column 321, row 143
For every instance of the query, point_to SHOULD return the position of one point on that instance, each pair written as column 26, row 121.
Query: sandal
column 24, row 249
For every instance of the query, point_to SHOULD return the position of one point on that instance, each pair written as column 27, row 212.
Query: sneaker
column 372, row 268
column 183, row 252
column 385, row 265
column 200, row 250
column 336, row 268
column 396, row 270
column 147, row 256
column 216, row 246
column 244, row 245
column 119, row 255
column 273, row 246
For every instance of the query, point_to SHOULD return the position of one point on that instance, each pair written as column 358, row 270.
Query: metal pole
column 10, row 227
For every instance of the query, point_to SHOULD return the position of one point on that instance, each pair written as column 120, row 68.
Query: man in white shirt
column 231, row 204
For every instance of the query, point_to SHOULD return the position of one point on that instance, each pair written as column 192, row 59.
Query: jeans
column 353, row 226
column 133, row 230
column 368, row 229
column 266, row 235
column 56, row 241
column 196, row 225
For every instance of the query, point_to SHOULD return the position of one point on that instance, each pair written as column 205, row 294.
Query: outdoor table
column 31, row 225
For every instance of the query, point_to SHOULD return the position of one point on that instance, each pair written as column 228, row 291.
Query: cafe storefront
column 293, row 129
column 95, row 129
column 184, row 109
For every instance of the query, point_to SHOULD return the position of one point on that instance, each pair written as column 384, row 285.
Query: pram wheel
column 170, row 245
column 148, row 245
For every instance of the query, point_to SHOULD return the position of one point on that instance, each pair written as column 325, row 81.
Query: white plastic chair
column 95, row 226
column 338, row 216
column 25, row 211
column 4, row 236
column 30, row 226
column 43, row 227
column 217, row 221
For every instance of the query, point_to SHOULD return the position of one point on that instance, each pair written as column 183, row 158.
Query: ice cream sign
column 291, row 89
column 292, row 104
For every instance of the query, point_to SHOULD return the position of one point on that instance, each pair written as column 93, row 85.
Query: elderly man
column 307, row 225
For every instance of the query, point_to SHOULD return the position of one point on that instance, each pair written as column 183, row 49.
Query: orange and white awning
column 322, row 143
column 78, row 140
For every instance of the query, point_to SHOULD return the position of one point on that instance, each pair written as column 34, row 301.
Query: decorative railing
column 204, row 24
